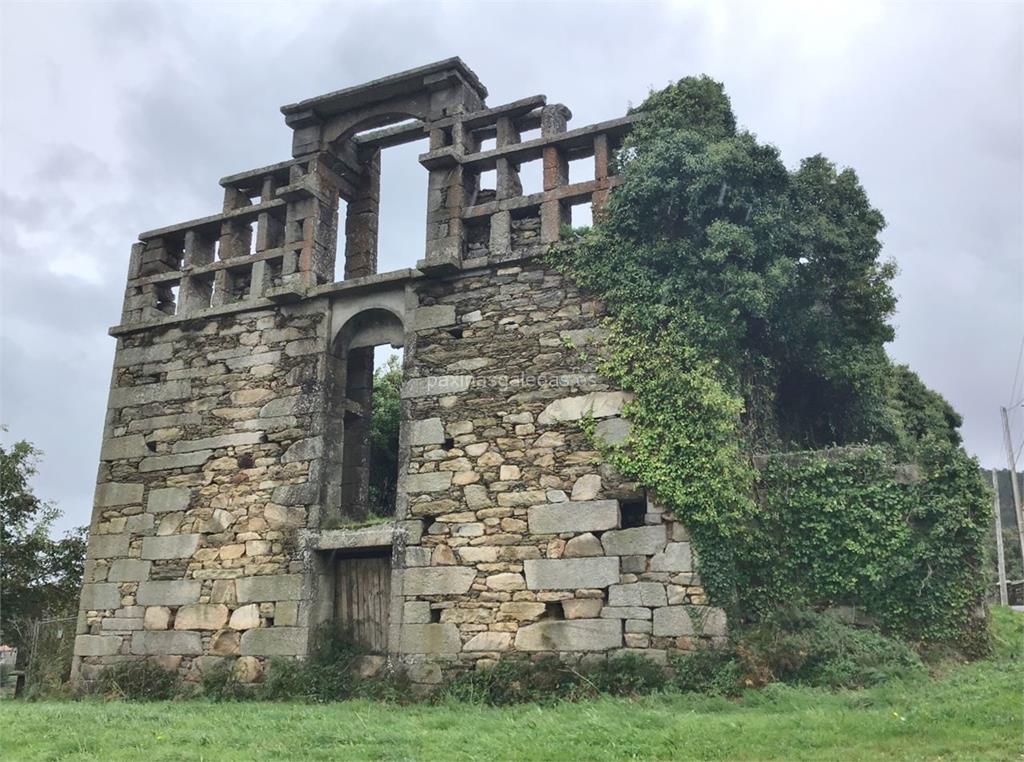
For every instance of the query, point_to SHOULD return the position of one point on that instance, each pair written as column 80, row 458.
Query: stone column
column 362, row 221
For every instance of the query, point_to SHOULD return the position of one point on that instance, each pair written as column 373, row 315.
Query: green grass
column 971, row 712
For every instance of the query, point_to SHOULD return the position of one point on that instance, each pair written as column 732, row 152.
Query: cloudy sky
column 121, row 117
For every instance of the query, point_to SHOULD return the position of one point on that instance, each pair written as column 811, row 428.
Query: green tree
column 750, row 308
column 39, row 576
column 384, row 424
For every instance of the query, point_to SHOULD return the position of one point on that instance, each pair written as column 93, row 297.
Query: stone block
column 167, row 499
column 431, row 386
column 584, row 546
column 108, row 545
column 218, row 442
column 613, row 431
column 170, row 546
column 638, row 594
column 672, row 621
column 97, row 645
column 310, row 448
column 131, row 396
column 570, row 573
column 433, row 317
column 677, row 557
column 625, row 612
column 168, row 462
column 245, row 617
column 596, row 404
column 201, row 616
column 275, row 641
column 582, row 608
column 176, row 592
column 417, row 556
column 426, row 432
column 416, row 612
column 129, row 570
column 271, row 587
column 286, row 613
column 117, row 493
column 430, row 639
column 435, row 481
column 140, row 355
column 587, row 487
column 637, row 541
column 489, row 641
column 156, row 618
column 432, row 580
column 121, row 448
column 121, row 624
column 711, row 621
column 505, row 581
column 170, row 642
column 100, row 595
column 588, row 516
column 574, row 635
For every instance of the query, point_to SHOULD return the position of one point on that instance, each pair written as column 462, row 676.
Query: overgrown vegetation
column 139, row 681
column 790, row 646
column 749, row 311
column 384, row 424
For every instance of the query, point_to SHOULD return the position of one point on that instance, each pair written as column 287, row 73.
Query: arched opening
column 358, row 488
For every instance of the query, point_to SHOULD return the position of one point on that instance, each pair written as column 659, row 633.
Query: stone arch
column 363, row 323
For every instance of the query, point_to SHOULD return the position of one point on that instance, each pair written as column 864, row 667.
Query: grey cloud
column 122, row 117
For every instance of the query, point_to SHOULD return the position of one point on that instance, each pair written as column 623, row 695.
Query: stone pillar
column 362, row 221
column 553, row 213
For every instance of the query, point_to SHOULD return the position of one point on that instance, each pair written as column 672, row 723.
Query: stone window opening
column 632, row 513
column 435, row 615
column 402, row 204
column 531, row 177
column 361, row 450
column 581, row 169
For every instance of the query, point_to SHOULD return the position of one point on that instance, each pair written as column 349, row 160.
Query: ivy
column 748, row 312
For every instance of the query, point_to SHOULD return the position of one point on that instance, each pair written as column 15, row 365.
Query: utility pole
column 1018, row 510
column 1000, row 555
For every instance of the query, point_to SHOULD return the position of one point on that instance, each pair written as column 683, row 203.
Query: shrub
column 329, row 675
column 629, row 675
column 139, row 681
column 714, row 672
column 516, row 681
column 219, row 683
column 812, row 649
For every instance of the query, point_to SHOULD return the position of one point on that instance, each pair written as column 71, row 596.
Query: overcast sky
column 121, row 117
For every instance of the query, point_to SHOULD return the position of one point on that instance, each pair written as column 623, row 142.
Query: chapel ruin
column 234, row 467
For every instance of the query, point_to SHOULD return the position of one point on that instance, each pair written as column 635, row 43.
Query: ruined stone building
column 235, row 447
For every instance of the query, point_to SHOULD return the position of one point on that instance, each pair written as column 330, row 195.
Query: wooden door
column 362, row 599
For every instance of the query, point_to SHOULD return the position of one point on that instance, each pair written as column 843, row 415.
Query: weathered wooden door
column 362, row 591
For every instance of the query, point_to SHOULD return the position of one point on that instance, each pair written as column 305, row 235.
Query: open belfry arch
column 233, row 471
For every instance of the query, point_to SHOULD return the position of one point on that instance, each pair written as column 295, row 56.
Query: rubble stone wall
column 209, row 467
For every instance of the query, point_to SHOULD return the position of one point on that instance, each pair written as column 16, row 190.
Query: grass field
column 972, row 712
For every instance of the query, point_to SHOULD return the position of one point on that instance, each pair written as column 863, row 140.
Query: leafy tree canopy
column 750, row 307
column 39, row 576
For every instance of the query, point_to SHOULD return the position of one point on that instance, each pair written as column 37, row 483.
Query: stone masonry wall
column 523, row 548
column 209, row 468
